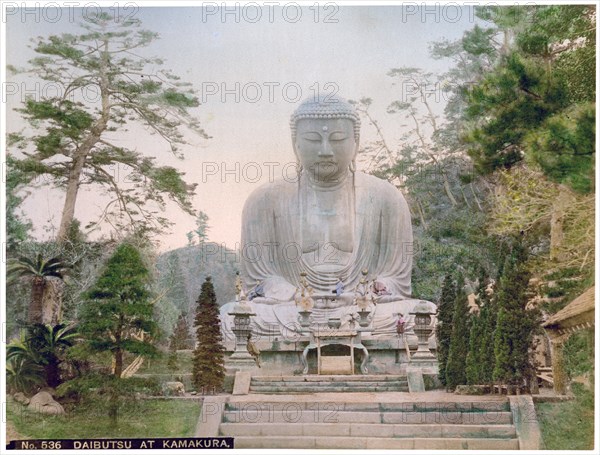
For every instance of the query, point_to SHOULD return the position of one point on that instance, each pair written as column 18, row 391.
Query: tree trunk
column 113, row 406
column 71, row 197
column 421, row 214
column 52, row 373
column 52, row 301
column 38, row 286
column 118, row 363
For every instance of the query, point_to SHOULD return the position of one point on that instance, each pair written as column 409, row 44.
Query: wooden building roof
column 576, row 315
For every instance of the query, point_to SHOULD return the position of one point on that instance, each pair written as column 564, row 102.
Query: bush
column 100, row 389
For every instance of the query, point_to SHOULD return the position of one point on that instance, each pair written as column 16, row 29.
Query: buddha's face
column 325, row 147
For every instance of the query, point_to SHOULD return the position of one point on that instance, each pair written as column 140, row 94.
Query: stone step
column 341, row 442
column 464, row 406
column 296, row 414
column 404, row 406
column 327, row 384
column 369, row 430
column 338, row 389
column 330, row 378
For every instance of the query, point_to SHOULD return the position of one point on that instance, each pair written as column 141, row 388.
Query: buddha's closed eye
column 338, row 136
column 313, row 137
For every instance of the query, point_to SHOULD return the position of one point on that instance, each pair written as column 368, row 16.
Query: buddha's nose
column 326, row 149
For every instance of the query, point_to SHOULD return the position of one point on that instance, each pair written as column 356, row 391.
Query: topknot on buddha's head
column 325, row 107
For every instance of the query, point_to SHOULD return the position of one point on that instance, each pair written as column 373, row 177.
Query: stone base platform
column 387, row 356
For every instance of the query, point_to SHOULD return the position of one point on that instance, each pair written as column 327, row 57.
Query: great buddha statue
column 331, row 230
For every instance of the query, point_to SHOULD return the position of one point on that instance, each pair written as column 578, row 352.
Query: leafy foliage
column 201, row 230
column 17, row 229
column 564, row 147
column 22, row 374
column 40, row 349
column 534, row 105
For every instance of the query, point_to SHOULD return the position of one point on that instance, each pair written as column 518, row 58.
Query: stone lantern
column 423, row 330
column 241, row 328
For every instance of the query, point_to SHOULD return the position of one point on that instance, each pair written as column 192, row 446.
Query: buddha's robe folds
column 290, row 227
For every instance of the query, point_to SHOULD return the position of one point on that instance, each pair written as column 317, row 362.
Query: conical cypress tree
column 515, row 325
column 443, row 329
column 459, row 341
column 488, row 315
column 476, row 348
column 208, row 370
column 472, row 365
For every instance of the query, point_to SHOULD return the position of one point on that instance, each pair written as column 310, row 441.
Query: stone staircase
column 328, row 383
column 298, row 423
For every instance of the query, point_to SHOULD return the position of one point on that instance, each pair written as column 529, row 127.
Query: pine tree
column 117, row 316
column 516, row 324
column 444, row 324
column 208, row 370
column 459, row 341
column 119, row 309
column 103, row 58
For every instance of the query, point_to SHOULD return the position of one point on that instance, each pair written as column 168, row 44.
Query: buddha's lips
column 327, row 163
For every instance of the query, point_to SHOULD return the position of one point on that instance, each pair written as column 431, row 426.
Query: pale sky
column 215, row 52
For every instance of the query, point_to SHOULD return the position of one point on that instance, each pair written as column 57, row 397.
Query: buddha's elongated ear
column 356, row 146
column 294, row 145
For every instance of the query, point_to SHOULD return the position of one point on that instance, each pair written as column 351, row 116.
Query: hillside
column 181, row 273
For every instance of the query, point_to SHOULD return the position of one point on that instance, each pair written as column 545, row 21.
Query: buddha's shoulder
column 271, row 191
column 377, row 186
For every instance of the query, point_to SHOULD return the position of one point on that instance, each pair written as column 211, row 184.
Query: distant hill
column 181, row 273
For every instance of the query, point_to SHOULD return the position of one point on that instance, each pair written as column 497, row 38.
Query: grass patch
column 144, row 419
column 568, row 425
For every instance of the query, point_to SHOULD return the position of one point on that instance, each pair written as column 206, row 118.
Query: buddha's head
column 325, row 134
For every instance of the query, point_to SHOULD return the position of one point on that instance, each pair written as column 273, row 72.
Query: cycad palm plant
column 43, row 345
column 37, row 271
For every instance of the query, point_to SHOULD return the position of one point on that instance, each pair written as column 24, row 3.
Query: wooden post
column 558, row 367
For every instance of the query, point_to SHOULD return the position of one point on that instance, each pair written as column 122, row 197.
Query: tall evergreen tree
column 208, row 370
column 443, row 328
column 117, row 317
column 488, row 315
column 516, row 324
column 459, row 341
column 476, row 348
